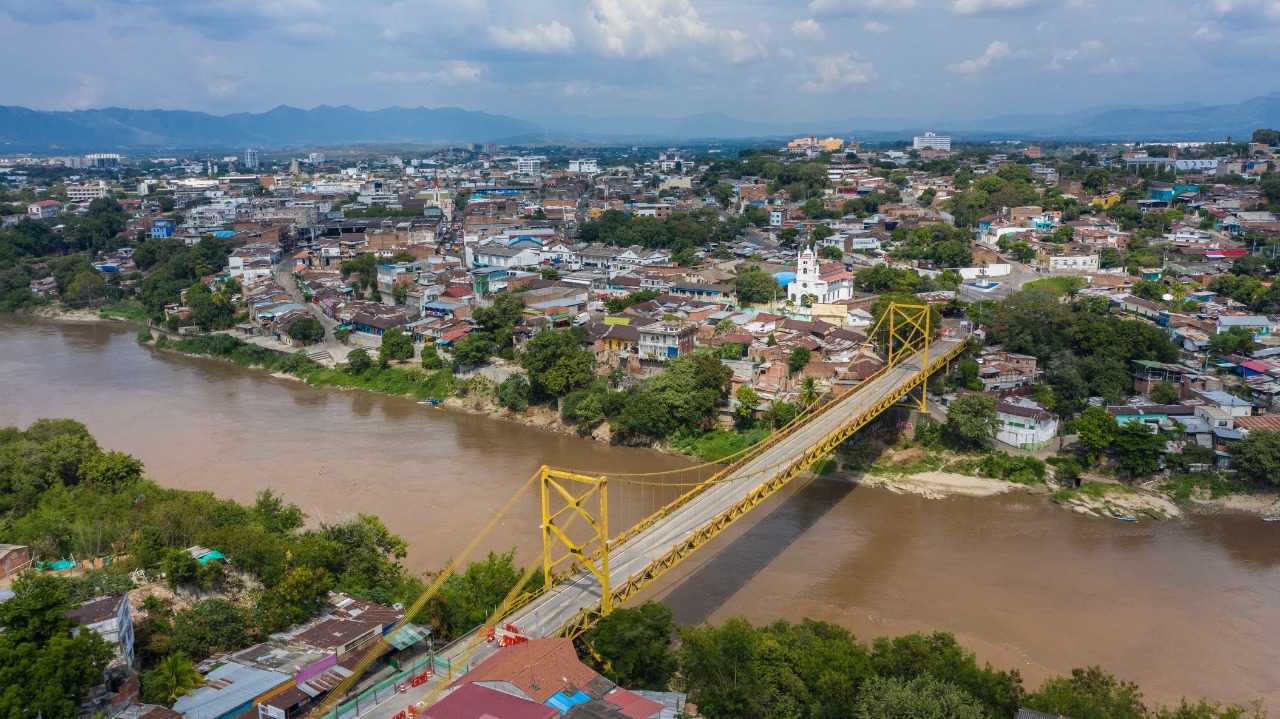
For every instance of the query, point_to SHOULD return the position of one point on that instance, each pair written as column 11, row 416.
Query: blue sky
column 777, row 60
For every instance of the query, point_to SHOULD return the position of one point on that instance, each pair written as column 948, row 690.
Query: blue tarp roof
column 784, row 278
column 563, row 703
column 224, row 233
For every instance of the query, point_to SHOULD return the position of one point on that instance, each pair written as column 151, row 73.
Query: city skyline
column 825, row 59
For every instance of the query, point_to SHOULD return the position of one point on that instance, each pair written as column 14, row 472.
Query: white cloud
column 877, row 27
column 845, row 8
column 834, row 72
column 996, row 50
column 542, row 37
column 1116, row 66
column 739, row 47
column 453, row 72
column 968, row 7
column 807, row 28
column 645, row 28
column 1061, row 56
column 1207, row 34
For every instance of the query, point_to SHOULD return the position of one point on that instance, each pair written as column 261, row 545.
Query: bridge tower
column 567, row 497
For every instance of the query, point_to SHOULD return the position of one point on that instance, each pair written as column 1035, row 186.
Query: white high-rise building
column 529, row 165
column 251, row 159
column 316, row 158
column 931, row 141
column 586, row 167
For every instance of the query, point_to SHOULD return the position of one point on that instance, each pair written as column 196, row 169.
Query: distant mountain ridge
column 25, row 130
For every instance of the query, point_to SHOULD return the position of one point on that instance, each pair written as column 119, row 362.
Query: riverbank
column 940, row 475
column 928, row 474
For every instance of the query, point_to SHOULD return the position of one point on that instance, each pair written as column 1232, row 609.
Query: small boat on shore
column 430, row 402
column 1125, row 517
column 1271, row 519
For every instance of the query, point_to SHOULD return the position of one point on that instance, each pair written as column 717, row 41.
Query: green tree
column 1089, row 694
column 358, row 360
column 466, row 600
column 43, row 669
column 940, row 656
column 831, row 252
column 798, row 358
column 808, row 391
column 396, row 345
column 971, row 419
column 920, row 697
column 753, row 286
column 174, row 678
column 299, row 596
column 744, row 415
column 1097, row 429
column 473, row 349
column 1236, row 340
column 632, row 646
column 111, row 471
column 307, row 330
column 431, row 357
column 1257, row 457
column 513, row 393
column 557, row 364
column 1164, row 393
column 1142, row 446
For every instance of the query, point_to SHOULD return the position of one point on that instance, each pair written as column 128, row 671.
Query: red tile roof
column 539, row 667
column 472, row 701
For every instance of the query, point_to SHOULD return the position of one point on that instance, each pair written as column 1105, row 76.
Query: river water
column 1189, row 607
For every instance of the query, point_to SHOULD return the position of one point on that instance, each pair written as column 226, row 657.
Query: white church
column 829, row 282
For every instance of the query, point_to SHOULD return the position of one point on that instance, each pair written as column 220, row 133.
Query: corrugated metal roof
column 472, row 701
column 632, row 705
column 227, row 688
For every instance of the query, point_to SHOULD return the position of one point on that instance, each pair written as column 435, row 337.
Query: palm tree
column 808, row 391
column 219, row 299
column 176, row 677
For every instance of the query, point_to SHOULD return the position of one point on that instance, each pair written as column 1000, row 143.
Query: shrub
column 513, row 393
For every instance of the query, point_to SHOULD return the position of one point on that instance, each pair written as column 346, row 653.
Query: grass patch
column 824, row 466
column 1198, row 485
column 124, row 309
column 718, row 444
column 1059, row 286
column 1093, row 490
column 406, row 382
column 910, row 461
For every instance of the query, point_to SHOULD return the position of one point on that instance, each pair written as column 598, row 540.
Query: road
column 548, row 613
column 283, row 272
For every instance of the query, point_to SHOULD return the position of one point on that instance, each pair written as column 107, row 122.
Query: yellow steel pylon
column 564, row 499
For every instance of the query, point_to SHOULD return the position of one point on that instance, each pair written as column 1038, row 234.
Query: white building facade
column 825, row 284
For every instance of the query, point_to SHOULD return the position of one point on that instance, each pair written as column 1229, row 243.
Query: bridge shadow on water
column 697, row 596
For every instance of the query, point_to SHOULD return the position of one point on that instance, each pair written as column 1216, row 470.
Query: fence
column 387, row 688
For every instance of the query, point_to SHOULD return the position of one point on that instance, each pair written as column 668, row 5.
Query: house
column 1025, row 424
column 43, row 210
column 112, row 619
column 46, row 287
column 1139, row 306
column 661, row 341
column 548, row 671
column 476, row 701
column 229, row 690
column 1260, row 326
column 13, row 559
column 163, row 227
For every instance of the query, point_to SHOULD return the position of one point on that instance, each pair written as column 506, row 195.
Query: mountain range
column 26, row 130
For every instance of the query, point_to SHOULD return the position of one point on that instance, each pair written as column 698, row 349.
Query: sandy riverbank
column 939, row 485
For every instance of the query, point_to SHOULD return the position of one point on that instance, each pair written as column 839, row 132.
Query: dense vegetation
column 62, row 495
column 817, row 670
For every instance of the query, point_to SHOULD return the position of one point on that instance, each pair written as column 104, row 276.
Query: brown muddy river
column 1191, row 607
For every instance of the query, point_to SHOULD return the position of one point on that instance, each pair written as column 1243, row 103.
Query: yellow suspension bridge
column 588, row 571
